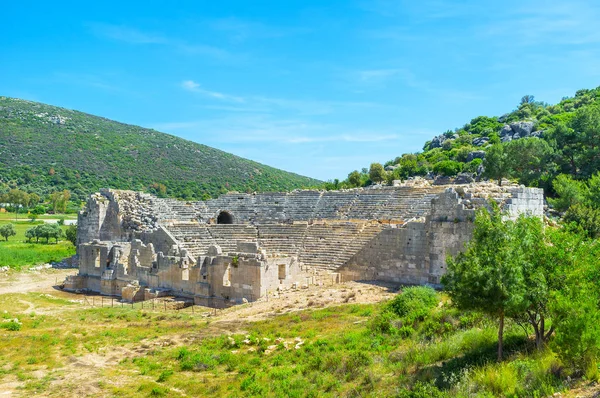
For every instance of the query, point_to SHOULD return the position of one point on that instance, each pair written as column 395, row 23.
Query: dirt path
column 82, row 373
column 33, row 281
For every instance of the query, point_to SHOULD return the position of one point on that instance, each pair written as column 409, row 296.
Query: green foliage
column 12, row 325
column 377, row 173
column 488, row 276
column 414, row 303
column 447, row 168
column 495, row 163
column 71, row 234
column 354, row 179
column 569, row 192
column 7, row 230
column 568, row 143
column 106, row 154
column 529, row 160
column 45, row 231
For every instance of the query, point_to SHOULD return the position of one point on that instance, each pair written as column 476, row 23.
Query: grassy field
column 23, row 217
column 17, row 253
column 60, row 347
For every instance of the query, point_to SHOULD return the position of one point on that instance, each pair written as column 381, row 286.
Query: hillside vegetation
column 45, row 149
column 533, row 144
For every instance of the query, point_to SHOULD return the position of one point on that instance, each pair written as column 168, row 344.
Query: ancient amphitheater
column 240, row 247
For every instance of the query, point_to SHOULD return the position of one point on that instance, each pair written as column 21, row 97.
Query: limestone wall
column 416, row 252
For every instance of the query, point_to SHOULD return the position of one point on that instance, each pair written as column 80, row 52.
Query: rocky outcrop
column 480, row 141
column 475, row 155
column 437, row 141
column 518, row 130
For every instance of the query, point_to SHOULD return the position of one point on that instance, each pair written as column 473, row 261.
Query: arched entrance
column 224, row 217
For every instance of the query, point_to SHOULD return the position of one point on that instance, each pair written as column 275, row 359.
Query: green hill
column 533, row 144
column 44, row 148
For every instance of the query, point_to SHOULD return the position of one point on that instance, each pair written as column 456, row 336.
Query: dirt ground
column 81, row 373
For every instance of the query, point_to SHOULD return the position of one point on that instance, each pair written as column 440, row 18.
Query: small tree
column 354, row 178
column 495, row 164
column 488, row 276
column 377, row 172
column 71, row 234
column 17, row 198
column 30, row 234
column 34, row 199
column 7, row 230
column 55, row 232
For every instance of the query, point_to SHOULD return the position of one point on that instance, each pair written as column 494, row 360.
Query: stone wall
column 416, row 253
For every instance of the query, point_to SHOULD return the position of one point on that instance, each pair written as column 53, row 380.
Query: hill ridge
column 45, row 148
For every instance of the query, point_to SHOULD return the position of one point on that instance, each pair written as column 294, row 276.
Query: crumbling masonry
column 239, row 247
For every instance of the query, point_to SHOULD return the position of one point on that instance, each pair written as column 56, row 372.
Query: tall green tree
column 586, row 124
column 488, row 275
column 529, row 160
column 495, row 163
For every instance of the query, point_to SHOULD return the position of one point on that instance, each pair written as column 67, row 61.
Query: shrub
column 447, row 168
column 13, row 325
column 422, row 390
column 414, row 303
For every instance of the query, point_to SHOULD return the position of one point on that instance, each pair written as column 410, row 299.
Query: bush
column 422, row 390
column 414, row 303
column 13, row 325
column 447, row 168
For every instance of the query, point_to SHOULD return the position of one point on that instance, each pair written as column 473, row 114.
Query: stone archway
column 224, row 217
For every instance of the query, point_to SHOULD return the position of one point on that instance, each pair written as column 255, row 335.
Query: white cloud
column 194, row 87
column 126, row 34
column 133, row 35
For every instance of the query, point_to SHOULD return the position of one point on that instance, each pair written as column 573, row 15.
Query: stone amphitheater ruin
column 239, row 247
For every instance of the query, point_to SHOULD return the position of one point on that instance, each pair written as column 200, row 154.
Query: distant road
column 54, row 221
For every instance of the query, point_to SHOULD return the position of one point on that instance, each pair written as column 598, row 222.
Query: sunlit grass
column 17, row 252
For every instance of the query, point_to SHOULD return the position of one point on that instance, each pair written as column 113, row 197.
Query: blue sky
column 319, row 88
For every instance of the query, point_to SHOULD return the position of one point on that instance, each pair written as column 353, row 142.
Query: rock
column 475, row 155
column 506, row 131
column 390, row 168
column 464, row 178
column 437, row 141
column 524, row 129
column 480, row 141
column 515, row 131
column 442, row 180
